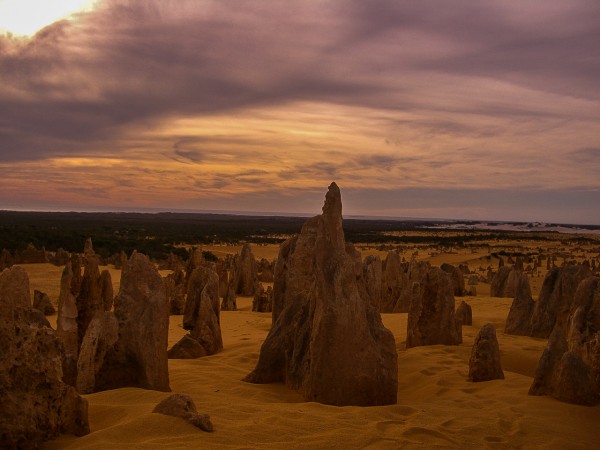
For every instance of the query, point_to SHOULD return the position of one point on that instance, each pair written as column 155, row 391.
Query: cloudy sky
column 431, row 108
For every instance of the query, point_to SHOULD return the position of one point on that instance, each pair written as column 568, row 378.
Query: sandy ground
column 437, row 407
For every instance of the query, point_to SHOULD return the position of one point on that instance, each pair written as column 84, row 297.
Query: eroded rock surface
column 556, row 298
column 100, row 337
column 35, row 404
column 324, row 326
column 201, row 316
column 431, row 318
column 181, row 405
column 457, row 277
column 464, row 313
column 569, row 369
column 518, row 321
column 485, row 364
column 139, row 357
column 42, row 303
column 245, row 276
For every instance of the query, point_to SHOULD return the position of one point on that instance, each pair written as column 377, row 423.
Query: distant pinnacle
column 332, row 216
column 333, row 201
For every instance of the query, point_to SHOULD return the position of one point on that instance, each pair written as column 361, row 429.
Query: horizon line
column 245, row 213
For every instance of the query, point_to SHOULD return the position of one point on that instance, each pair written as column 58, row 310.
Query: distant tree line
column 159, row 234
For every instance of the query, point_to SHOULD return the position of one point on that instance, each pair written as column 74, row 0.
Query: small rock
column 484, row 364
column 181, row 405
column 464, row 313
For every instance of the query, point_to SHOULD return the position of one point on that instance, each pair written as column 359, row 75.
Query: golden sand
column 437, row 407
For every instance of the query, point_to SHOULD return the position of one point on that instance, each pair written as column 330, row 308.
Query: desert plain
column 437, row 407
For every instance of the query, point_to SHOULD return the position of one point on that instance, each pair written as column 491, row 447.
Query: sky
column 459, row 109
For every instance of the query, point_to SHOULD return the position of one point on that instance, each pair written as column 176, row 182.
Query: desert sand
column 437, row 407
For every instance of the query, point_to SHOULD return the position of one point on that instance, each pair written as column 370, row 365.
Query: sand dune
column 437, row 407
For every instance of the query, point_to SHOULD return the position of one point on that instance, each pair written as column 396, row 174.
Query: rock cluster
column 139, row 355
column 106, row 349
column 35, row 404
column 322, row 325
column 569, row 369
column 201, row 317
column 263, row 299
column 457, row 277
column 484, row 364
column 556, row 298
column 265, row 270
column 555, row 302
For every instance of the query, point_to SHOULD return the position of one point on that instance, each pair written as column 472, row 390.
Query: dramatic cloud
column 241, row 104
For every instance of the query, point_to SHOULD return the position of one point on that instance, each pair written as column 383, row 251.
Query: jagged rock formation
column 372, row 272
column 181, row 405
column 431, row 318
column 262, row 301
column 89, row 297
column 175, row 289
column 196, row 260
column 569, row 369
column 245, row 276
column 6, row 260
column 324, row 326
column 393, row 280
column 30, row 255
column 42, row 303
column 139, row 357
column 484, row 364
column 35, row 405
column 100, row 336
column 66, row 326
column 223, row 274
column 464, row 313
column 229, row 300
column 107, row 295
column 265, row 271
column 281, row 275
column 77, row 277
column 518, row 321
column 201, row 316
column 504, row 282
column 14, row 287
column 457, row 277
column 556, row 297
column 61, row 257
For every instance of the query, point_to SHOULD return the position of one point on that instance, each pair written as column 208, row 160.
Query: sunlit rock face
column 139, row 356
column 328, row 342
